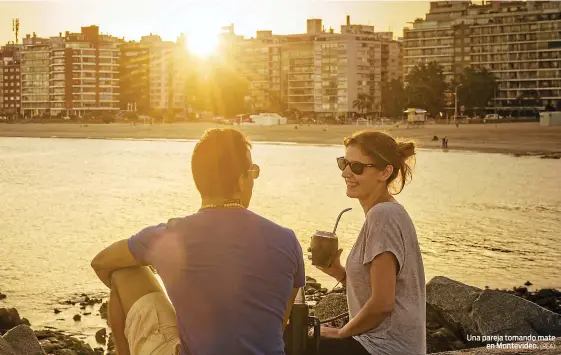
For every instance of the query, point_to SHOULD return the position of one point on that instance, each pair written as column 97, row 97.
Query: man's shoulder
column 271, row 226
column 264, row 224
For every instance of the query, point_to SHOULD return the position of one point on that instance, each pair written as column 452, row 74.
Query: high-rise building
column 135, row 76
column 298, row 71
column 363, row 65
column 153, row 74
column 392, row 67
column 319, row 72
column 35, row 72
column 10, row 79
column 259, row 60
column 518, row 41
column 71, row 74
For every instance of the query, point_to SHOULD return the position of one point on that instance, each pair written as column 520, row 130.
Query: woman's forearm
column 368, row 318
column 341, row 276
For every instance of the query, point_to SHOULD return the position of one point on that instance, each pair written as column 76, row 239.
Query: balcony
column 301, row 106
column 300, row 93
column 302, row 85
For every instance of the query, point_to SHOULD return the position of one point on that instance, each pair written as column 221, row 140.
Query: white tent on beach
column 550, row 118
column 266, row 119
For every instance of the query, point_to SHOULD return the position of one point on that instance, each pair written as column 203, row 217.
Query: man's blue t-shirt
column 229, row 274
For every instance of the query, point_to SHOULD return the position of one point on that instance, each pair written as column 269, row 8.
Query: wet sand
column 516, row 138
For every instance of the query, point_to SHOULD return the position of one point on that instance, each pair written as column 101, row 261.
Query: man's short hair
column 219, row 159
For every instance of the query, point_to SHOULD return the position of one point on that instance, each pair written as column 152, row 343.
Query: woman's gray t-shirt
column 388, row 228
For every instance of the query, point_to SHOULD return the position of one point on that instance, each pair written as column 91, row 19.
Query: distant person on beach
column 384, row 273
column 231, row 275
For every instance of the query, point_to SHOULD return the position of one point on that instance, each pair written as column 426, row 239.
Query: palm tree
column 363, row 102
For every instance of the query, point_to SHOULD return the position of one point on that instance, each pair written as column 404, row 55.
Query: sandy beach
column 515, row 138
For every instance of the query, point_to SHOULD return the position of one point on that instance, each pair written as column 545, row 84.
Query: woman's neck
column 376, row 198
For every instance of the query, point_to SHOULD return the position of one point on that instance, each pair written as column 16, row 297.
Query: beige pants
column 151, row 326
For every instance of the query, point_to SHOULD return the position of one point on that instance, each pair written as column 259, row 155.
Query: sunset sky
column 200, row 19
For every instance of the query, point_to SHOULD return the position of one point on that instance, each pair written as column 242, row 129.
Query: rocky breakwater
column 463, row 319
column 17, row 337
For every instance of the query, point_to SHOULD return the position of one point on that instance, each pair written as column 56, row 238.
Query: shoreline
column 504, row 138
column 443, row 333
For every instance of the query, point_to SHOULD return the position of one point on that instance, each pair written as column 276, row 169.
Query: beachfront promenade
column 494, row 138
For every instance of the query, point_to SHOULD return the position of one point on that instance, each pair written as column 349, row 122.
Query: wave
column 513, row 208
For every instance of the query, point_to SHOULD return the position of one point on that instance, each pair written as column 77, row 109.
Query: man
column 230, row 274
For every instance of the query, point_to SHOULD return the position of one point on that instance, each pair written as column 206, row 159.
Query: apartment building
column 134, row 75
column 71, row 74
column 298, row 71
column 259, row 60
column 35, row 71
column 319, row 72
column 168, row 64
column 153, row 75
column 362, row 65
column 392, row 67
column 10, row 79
column 516, row 40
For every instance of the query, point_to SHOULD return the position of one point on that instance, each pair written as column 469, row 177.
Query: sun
column 203, row 43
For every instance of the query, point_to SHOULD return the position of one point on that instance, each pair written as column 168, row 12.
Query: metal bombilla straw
column 338, row 218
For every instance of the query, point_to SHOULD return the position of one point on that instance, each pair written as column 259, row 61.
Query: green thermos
column 296, row 332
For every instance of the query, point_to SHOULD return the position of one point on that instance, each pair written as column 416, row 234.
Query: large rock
column 547, row 298
column 470, row 311
column 5, row 347
column 452, row 302
column 443, row 339
column 9, row 318
column 58, row 343
column 23, row 340
column 497, row 313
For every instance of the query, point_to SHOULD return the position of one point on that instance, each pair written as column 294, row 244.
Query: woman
column 384, row 273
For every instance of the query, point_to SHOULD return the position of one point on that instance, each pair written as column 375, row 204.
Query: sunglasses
column 255, row 170
column 356, row 167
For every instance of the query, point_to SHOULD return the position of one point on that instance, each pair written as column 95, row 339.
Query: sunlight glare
column 203, row 43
